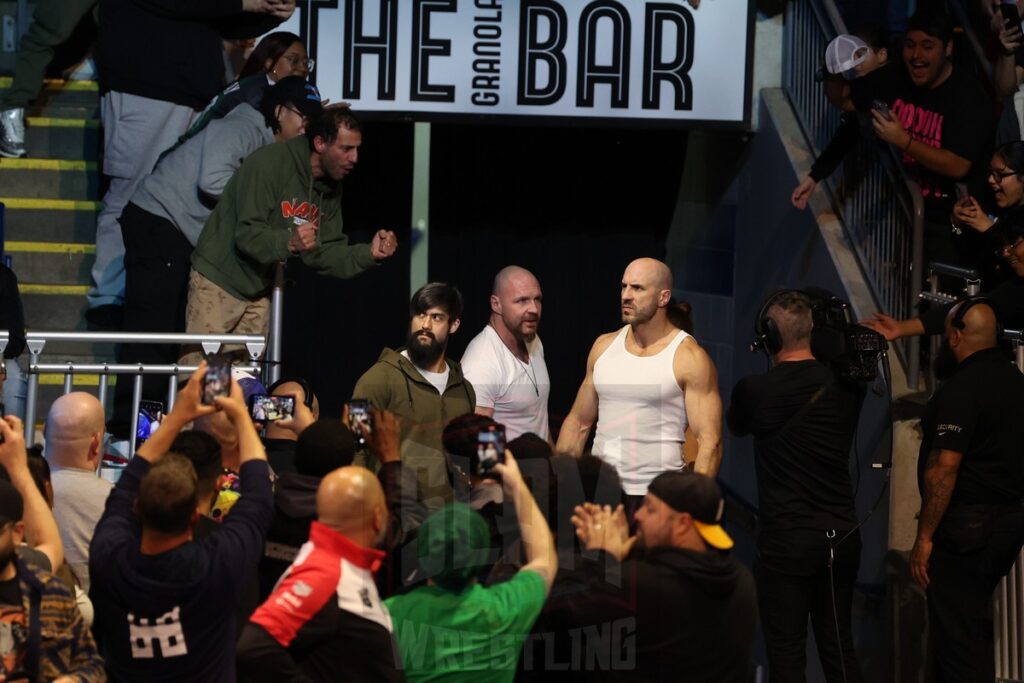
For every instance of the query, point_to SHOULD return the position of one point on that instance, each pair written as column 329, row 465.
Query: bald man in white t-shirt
column 645, row 384
column 505, row 362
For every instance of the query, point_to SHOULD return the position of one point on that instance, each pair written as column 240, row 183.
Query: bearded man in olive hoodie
column 425, row 389
column 284, row 202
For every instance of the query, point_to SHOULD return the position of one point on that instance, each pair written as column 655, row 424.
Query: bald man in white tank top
column 645, row 384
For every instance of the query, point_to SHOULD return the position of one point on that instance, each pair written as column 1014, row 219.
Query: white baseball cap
column 843, row 54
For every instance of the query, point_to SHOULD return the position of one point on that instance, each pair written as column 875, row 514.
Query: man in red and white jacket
column 326, row 607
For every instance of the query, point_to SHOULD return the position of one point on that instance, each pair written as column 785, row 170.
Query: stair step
column 61, row 93
column 50, row 220
column 49, row 178
column 51, row 137
column 58, row 263
column 61, row 308
column 54, row 307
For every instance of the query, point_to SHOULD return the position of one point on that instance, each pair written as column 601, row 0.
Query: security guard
column 971, row 475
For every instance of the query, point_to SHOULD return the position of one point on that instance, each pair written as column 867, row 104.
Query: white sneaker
column 12, row 133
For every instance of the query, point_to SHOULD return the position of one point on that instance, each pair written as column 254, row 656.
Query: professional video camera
column 852, row 350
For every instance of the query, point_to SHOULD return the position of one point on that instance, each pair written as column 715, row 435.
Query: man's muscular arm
column 698, row 379
column 576, row 427
column 939, row 481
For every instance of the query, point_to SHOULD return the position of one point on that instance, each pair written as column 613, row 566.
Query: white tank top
column 641, row 413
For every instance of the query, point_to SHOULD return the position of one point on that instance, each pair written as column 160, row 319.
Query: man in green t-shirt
column 454, row 627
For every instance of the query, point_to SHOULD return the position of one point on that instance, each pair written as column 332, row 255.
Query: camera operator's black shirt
column 979, row 412
column 802, row 461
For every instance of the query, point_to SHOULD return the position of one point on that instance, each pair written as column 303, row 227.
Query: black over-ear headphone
column 767, row 332
column 307, row 391
column 966, row 304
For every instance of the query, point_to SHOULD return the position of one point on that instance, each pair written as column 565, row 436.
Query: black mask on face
column 944, row 364
column 423, row 353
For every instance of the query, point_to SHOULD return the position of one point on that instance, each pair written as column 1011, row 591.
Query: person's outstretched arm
column 539, row 544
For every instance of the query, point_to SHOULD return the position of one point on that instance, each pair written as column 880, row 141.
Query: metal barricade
column 882, row 210
column 37, row 341
column 968, row 284
column 1008, row 613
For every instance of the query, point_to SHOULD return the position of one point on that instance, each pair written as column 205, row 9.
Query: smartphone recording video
column 490, row 449
column 1011, row 16
column 882, row 108
column 151, row 414
column 359, row 419
column 217, row 380
column 265, row 408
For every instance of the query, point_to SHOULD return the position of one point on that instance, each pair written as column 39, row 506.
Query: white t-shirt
column 79, row 497
column 438, row 379
column 517, row 391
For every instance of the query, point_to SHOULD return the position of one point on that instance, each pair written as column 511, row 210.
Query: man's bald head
column 516, row 304
column 350, row 500
column 74, row 431
column 650, row 271
column 646, row 291
column 971, row 327
column 509, row 276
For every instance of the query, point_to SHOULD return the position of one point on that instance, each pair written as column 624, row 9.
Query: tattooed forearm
column 939, row 482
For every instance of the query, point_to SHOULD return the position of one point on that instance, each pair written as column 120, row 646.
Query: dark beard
column 422, row 354
column 945, row 362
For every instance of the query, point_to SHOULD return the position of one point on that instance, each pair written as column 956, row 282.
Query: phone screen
column 217, row 380
column 151, row 413
column 1011, row 17
column 882, row 108
column 265, row 408
column 359, row 419
column 490, row 448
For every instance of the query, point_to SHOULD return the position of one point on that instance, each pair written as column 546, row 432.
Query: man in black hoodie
column 683, row 603
column 162, row 597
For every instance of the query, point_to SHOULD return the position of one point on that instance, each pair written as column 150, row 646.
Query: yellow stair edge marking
column 51, row 204
column 79, row 380
column 47, row 165
column 57, row 84
column 49, row 248
column 53, row 290
column 53, row 122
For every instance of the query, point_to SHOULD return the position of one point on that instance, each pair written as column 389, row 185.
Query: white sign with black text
column 592, row 59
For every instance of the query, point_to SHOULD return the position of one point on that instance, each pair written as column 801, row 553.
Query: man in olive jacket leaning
column 284, row 201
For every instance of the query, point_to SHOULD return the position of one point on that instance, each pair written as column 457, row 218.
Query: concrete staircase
column 51, row 201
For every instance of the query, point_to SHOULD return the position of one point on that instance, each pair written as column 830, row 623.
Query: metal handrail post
column 31, row 395
column 136, row 399
column 104, row 384
column 172, row 391
column 916, row 273
column 273, row 372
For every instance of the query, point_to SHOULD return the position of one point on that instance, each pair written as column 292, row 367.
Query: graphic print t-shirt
column 13, row 631
column 954, row 116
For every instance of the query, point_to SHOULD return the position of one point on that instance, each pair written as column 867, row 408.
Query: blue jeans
column 15, row 388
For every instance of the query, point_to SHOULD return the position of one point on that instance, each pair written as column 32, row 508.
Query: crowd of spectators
column 440, row 530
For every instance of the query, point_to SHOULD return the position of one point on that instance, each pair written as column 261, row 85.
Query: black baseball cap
column 12, row 507
column 299, row 92
column 699, row 496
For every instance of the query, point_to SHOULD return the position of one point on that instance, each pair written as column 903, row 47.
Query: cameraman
column 803, row 418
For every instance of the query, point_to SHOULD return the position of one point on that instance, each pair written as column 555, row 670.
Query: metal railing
column 968, row 283
column 880, row 208
column 37, row 341
column 1009, row 599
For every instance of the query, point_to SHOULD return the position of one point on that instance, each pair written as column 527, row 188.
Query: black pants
column 794, row 583
column 960, row 599
column 157, row 259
